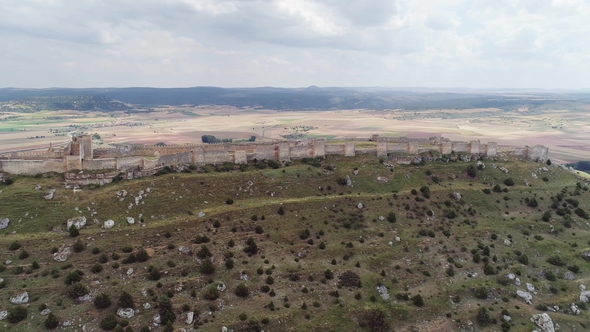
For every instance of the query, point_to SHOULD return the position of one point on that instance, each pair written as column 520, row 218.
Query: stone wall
column 140, row 159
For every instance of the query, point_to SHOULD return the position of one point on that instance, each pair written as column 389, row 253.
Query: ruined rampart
column 141, row 160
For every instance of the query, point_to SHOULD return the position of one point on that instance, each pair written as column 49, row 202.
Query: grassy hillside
column 296, row 251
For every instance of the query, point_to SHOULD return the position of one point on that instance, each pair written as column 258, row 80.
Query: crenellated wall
column 139, row 160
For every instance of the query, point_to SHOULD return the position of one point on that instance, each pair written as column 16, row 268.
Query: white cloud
column 480, row 43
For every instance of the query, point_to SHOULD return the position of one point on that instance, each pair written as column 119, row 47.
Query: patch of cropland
column 342, row 244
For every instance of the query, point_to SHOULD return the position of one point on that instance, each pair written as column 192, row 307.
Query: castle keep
column 142, row 160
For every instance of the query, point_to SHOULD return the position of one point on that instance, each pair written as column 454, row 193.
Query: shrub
column 481, row 293
column 328, row 274
column 229, row 201
column 281, row 211
column 417, row 300
column 391, row 217
column 471, row 171
column 102, row 301
column 204, row 252
column 129, row 259
column 483, row 317
column 207, row 267
column 153, row 273
column 16, row 314
column 73, row 277
column 251, row 247
column 125, row 300
column 555, row 260
column 74, row 231
column 51, row 322
column 523, row 259
column 550, row 276
column 229, row 263
column 109, row 322
column 374, row 320
column 258, row 230
column 211, row 293
column 142, row 255
column 14, row 246
column 242, row 290
column 166, row 311
column 486, row 191
column 546, row 216
column 497, row 189
column 77, row 290
column 532, row 202
column 79, row 246
column 509, row 182
column 96, row 268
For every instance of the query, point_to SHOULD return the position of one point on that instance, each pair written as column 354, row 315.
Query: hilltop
column 352, row 244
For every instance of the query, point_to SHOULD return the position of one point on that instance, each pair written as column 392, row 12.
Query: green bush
column 78, row 246
column 207, row 267
column 417, row 300
column 77, row 290
column 142, row 255
column 509, row 182
column 483, row 317
column 102, row 301
column 14, row 246
column 109, row 322
column 211, row 293
column 242, row 290
column 125, row 300
column 481, row 293
column 74, row 231
column 51, row 322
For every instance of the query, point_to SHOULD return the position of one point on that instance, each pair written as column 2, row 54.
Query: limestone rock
column 348, row 181
column 382, row 179
column 189, row 318
column 381, row 218
column 586, row 256
column 45, row 312
column 184, row 250
column 221, row 287
column 49, row 195
column 507, row 242
column 517, row 281
column 526, row 296
column 4, row 223
column 360, row 206
column 511, row 276
column 480, row 164
column 530, row 287
column 506, row 318
column 569, row 276
column 201, row 214
column 390, row 243
column 130, row 220
column 77, row 222
column 457, row 196
column 585, row 296
column 130, row 271
column 383, row 292
column 21, row 298
column 355, row 172
column 157, row 320
column 3, row 314
column 147, row 306
column 63, row 254
column 543, row 322
column 397, row 239
column 224, row 329
column 125, row 313
column 108, row 224
column 575, row 309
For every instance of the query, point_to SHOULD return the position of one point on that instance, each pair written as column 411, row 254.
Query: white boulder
column 49, row 194
column 4, row 223
column 189, row 318
column 543, row 322
column 3, row 314
column 63, row 254
column 526, row 296
column 108, row 224
column 130, row 220
column 45, row 312
column 77, row 222
column 125, row 313
column 21, row 298
column 585, row 296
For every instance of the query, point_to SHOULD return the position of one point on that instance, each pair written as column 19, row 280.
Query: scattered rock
column 184, row 250
column 360, row 206
column 125, row 313
column 224, row 329
column 147, row 306
column 381, row 218
column 575, row 309
column 457, row 196
column 62, row 254
column 8, row 262
column 543, row 322
column 157, row 320
column 108, row 224
column 122, row 193
column 383, row 292
column 530, row 287
column 244, row 277
column 4, row 223
column 526, row 296
column 85, row 298
column 45, row 312
column 382, row 179
column 189, row 318
column 585, row 296
column 130, row 271
column 569, row 276
column 390, row 244
column 201, row 214
column 21, row 298
column 506, row 318
column 348, row 181
column 397, row 239
column 534, row 175
column 355, row 171
column 586, row 256
column 221, row 287
column 49, row 194
column 507, row 242
column 38, row 187
column 130, row 220
column 3, row 314
column 77, row 222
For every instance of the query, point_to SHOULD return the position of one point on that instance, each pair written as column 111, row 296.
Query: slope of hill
column 345, row 244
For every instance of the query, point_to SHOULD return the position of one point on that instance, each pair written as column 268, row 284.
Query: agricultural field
column 341, row 244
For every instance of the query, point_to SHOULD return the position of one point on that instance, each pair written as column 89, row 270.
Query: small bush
column 102, row 301
column 16, row 314
column 207, row 267
column 14, row 246
column 211, row 293
column 509, row 182
column 77, row 290
column 109, row 322
column 78, row 246
column 229, row 201
column 125, row 300
column 51, row 322
column 556, row 260
column 242, row 290
column 74, row 231
column 142, row 255
column 281, row 211
column 481, row 293
column 417, row 300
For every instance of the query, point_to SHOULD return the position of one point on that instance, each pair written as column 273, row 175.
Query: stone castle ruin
column 143, row 160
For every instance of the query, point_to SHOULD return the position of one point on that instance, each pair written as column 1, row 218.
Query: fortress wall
column 537, row 152
column 98, row 164
column 460, row 147
column 349, row 149
column 218, row 157
column 335, row 149
column 73, row 163
column 284, row 152
column 397, row 147
column 518, row 152
column 381, row 148
column 262, row 152
column 446, row 147
column 491, row 149
column 129, row 162
column 372, row 151
column 240, row 158
column 474, row 147
column 299, row 152
column 175, row 158
column 31, row 167
column 319, row 148
column 150, row 164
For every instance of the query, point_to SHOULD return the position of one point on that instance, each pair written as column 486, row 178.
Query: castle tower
column 349, row 149
column 319, row 148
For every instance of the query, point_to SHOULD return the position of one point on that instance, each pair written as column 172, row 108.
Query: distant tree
column 125, row 300
column 252, row 138
column 471, row 171
column 51, row 322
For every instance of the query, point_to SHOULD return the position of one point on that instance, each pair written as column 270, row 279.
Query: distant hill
column 72, row 102
column 310, row 98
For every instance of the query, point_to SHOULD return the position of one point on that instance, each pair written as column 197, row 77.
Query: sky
column 295, row 43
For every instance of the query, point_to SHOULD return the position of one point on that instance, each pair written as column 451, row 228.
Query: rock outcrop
column 49, row 195
column 21, row 298
column 526, row 296
column 4, row 223
column 77, row 222
column 543, row 322
column 125, row 313
column 63, row 254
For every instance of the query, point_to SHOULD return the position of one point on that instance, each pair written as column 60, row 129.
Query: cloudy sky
column 295, row 43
